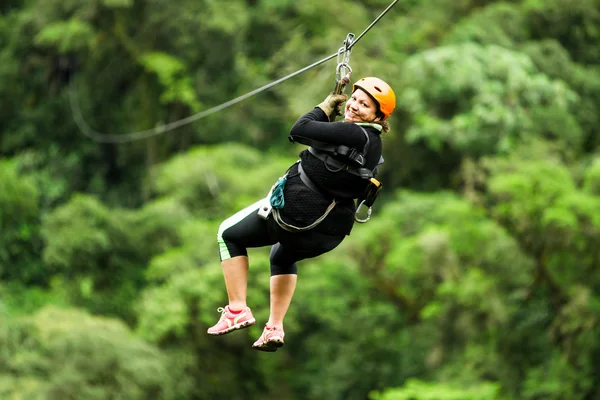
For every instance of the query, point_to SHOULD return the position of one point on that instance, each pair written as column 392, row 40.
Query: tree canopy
column 477, row 277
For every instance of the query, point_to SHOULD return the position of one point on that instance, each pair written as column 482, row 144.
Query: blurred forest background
column 478, row 277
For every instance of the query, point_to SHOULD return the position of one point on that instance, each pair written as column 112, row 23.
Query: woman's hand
column 332, row 104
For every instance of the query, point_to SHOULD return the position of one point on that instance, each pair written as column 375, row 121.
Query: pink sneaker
column 230, row 321
column 270, row 340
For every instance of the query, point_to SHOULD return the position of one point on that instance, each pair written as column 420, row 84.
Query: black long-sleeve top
column 302, row 204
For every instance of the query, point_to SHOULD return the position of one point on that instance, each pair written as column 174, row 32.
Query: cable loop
column 343, row 55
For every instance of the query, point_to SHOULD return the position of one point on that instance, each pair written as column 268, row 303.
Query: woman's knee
column 282, row 262
column 229, row 247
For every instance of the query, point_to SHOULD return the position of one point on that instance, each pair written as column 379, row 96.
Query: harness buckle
column 264, row 206
column 354, row 156
column 360, row 159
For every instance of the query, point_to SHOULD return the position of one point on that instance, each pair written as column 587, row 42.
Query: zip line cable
column 376, row 20
column 133, row 136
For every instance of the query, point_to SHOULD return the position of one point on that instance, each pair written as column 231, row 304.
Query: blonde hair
column 385, row 127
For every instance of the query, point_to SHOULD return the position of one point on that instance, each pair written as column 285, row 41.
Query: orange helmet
column 380, row 91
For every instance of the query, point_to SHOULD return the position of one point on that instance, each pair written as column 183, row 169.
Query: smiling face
column 360, row 107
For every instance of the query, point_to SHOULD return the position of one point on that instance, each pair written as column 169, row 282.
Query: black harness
column 341, row 158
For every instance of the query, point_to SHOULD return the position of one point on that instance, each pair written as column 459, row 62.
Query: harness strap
column 335, row 165
column 311, row 185
column 292, row 228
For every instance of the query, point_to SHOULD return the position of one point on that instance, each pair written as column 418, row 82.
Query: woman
column 323, row 185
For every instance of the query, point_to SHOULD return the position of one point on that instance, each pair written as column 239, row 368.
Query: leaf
column 171, row 73
column 66, row 36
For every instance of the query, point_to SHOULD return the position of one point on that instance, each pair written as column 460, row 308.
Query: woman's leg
column 237, row 233
column 284, row 255
column 283, row 282
column 282, row 287
column 282, row 291
column 235, row 272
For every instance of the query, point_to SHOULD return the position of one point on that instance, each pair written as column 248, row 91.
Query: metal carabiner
column 357, row 212
column 343, row 70
column 342, row 75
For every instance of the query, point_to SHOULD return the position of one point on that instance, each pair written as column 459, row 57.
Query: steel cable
column 133, row 136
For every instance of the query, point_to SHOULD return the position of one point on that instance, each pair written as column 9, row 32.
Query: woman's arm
column 315, row 125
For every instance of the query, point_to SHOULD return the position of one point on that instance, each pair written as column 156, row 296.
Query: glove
column 331, row 106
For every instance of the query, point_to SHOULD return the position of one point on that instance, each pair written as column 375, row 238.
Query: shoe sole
column 269, row 346
column 235, row 327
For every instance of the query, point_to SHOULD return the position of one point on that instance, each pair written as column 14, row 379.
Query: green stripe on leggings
column 231, row 221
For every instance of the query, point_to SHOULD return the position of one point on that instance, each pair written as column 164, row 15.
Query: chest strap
column 334, row 165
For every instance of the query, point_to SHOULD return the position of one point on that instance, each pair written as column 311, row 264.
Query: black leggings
column 246, row 229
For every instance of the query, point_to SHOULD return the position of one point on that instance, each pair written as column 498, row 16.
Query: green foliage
column 370, row 345
column 417, row 390
column 171, row 75
column 478, row 279
column 574, row 25
column 428, row 277
column 551, row 58
column 68, row 354
column 478, row 99
column 53, row 183
column 500, row 23
column 558, row 222
column 467, row 100
column 592, row 178
column 558, row 379
column 443, row 256
column 212, row 181
column 118, row 3
column 20, row 244
column 177, row 278
column 20, row 299
column 180, row 303
column 96, row 251
column 69, row 36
